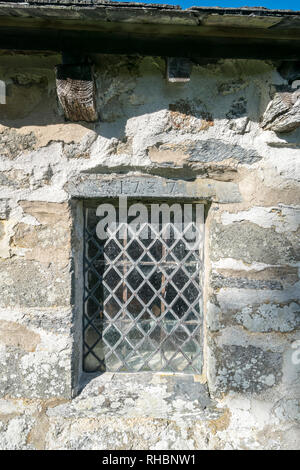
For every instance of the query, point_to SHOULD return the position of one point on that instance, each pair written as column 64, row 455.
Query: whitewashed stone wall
column 216, row 130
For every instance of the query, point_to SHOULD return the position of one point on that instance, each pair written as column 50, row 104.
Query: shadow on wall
column 129, row 87
column 146, row 121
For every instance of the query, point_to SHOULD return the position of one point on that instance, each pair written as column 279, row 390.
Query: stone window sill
column 154, row 395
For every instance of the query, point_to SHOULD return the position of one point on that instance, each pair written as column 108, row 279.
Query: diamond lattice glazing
column 142, row 299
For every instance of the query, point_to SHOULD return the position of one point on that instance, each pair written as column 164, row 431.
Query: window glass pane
column 143, row 297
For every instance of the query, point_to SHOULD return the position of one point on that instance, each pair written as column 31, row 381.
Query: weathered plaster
column 201, row 140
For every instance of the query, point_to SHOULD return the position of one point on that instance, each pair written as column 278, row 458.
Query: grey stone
column 114, row 433
column 39, row 374
column 288, row 409
column 245, row 369
column 142, row 394
column 140, row 186
column 15, row 179
column 239, row 125
column 12, row 143
column 33, row 284
column 213, row 316
column 2, row 230
column 58, row 321
column 218, row 281
column 192, row 391
column 132, row 186
column 81, row 150
column 262, row 318
column 257, row 316
column 234, row 299
column 270, row 317
column 215, row 150
column 283, row 113
column 249, row 242
column 14, row 434
column 280, row 104
column 4, row 209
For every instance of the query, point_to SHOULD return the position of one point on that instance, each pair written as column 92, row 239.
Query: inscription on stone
column 95, row 186
column 142, row 187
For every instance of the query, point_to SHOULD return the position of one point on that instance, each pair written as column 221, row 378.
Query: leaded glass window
column 142, row 294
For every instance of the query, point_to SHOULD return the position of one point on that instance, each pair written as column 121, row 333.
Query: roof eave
column 129, row 28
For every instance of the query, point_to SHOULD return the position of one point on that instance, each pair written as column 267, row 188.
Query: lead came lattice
column 142, row 299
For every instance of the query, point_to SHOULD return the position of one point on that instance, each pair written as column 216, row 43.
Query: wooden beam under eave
column 76, row 92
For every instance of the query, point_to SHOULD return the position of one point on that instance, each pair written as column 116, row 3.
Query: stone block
column 13, row 143
column 19, row 336
column 243, row 369
column 283, row 113
column 249, row 242
column 4, row 209
column 33, row 284
column 43, row 243
column 38, row 374
column 2, row 229
column 215, row 150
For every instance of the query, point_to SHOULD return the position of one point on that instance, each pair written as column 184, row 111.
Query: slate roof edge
column 244, row 11
column 150, row 29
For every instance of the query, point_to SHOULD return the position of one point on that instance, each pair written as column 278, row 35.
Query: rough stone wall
column 215, row 130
